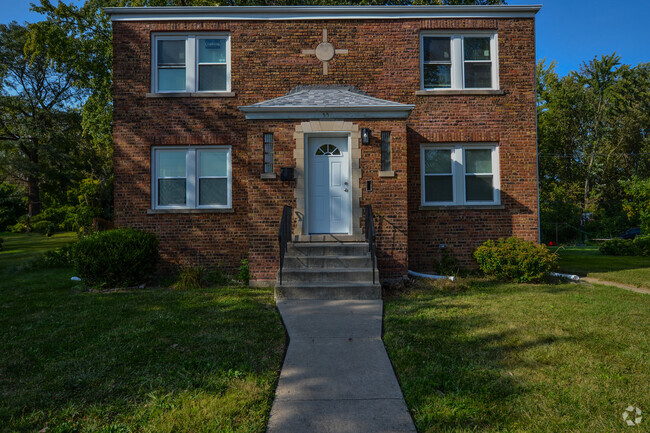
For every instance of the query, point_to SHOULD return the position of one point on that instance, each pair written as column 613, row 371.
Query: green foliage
column 619, row 247
column 515, row 259
column 191, row 278
column 243, row 272
column 116, row 258
column 637, row 202
column 13, row 204
column 643, row 244
column 448, row 263
column 1, row 242
column 57, row 258
column 639, row 246
column 92, row 198
column 592, row 137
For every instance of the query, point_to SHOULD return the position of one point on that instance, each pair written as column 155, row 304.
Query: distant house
column 224, row 115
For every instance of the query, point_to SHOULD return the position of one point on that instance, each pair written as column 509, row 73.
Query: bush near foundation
column 116, row 258
column 515, row 259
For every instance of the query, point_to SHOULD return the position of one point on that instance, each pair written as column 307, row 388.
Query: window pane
column 171, row 163
column 437, row 49
column 385, row 151
column 213, row 163
column 479, row 188
column 477, row 48
column 437, row 161
column 212, row 50
column 437, row 76
column 171, row 52
column 213, row 192
column 171, row 79
column 212, row 77
column 478, row 161
column 268, row 158
column 438, row 189
column 268, row 168
column 171, row 192
column 478, row 74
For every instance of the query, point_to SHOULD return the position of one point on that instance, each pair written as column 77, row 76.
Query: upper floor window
column 458, row 61
column 191, row 63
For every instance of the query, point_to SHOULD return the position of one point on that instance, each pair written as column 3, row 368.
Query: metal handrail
column 370, row 237
column 284, row 235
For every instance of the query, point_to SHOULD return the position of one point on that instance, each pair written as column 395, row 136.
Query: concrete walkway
column 336, row 376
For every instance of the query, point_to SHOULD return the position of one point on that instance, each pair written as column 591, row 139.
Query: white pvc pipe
column 571, row 277
column 434, row 277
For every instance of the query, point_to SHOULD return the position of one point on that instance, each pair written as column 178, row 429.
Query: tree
column 593, row 127
column 38, row 128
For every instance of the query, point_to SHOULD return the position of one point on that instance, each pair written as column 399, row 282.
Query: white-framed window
column 460, row 174
column 190, row 63
column 459, row 61
column 191, row 177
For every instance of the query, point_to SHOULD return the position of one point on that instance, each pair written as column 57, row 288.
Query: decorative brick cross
column 324, row 52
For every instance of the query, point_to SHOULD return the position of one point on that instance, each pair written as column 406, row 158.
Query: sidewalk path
column 336, row 376
column 629, row 287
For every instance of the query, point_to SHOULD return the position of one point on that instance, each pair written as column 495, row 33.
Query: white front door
column 329, row 188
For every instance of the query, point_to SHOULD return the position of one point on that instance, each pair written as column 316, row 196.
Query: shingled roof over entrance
column 317, row 102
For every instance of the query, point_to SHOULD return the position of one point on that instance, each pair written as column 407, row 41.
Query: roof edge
column 178, row 13
column 311, row 108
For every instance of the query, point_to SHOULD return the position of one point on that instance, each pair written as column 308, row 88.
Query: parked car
column 630, row 233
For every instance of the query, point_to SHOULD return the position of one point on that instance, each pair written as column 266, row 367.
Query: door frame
column 325, row 134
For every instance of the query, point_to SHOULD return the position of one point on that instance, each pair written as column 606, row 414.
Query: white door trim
column 307, row 153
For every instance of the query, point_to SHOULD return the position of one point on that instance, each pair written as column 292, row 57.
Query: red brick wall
column 383, row 61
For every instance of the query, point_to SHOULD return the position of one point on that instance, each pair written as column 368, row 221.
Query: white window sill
column 192, row 95
column 192, row 210
column 448, row 92
column 268, row 176
column 462, row 207
column 389, row 173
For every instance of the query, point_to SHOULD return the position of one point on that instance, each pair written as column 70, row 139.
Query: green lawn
column 490, row 357
column 20, row 248
column 151, row 360
column 587, row 261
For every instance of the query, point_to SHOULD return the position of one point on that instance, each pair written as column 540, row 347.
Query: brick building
column 224, row 115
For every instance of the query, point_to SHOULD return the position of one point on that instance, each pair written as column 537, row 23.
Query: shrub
column 515, row 259
column 116, row 258
column 448, row 263
column 243, row 272
column 1, row 242
column 619, row 247
column 13, row 204
column 191, row 278
column 643, row 244
column 58, row 258
column 45, row 227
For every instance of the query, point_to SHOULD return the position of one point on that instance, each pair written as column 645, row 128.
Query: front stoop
column 328, row 270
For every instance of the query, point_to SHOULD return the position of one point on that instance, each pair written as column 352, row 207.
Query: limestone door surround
column 322, row 127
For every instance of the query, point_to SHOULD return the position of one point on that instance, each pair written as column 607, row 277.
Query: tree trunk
column 33, row 197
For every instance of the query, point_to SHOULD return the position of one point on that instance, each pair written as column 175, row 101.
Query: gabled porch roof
column 327, row 102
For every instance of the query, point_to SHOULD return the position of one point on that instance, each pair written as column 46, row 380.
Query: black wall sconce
column 365, row 136
column 286, row 174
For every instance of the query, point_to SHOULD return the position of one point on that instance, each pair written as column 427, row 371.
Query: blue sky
column 568, row 31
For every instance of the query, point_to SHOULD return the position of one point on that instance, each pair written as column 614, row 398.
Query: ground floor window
column 191, row 177
column 460, row 174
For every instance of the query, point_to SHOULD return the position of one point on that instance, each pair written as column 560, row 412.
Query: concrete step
column 334, row 290
column 315, row 275
column 337, row 249
column 327, row 262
